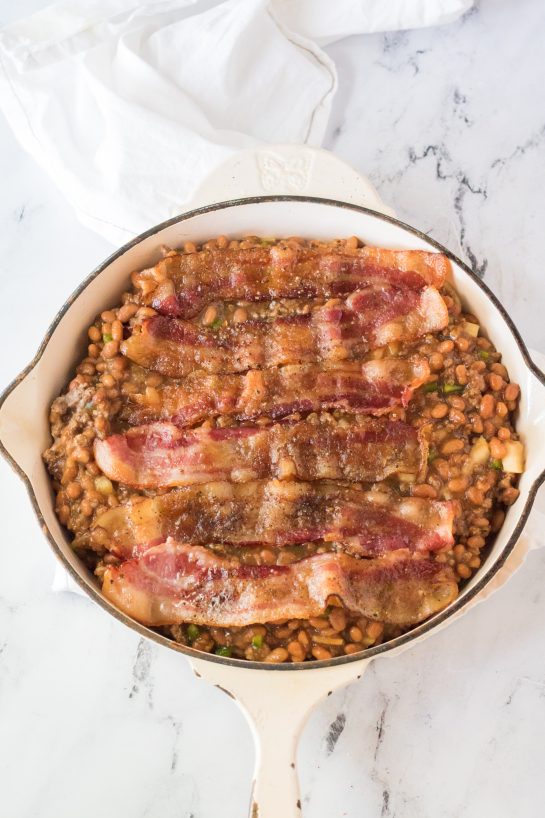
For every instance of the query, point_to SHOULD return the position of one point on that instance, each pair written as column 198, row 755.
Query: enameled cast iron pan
column 275, row 698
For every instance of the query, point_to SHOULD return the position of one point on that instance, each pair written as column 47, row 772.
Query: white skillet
column 275, row 699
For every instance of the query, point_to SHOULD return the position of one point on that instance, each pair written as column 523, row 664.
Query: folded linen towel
column 128, row 105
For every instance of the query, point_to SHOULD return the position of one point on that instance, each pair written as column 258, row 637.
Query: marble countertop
column 94, row 721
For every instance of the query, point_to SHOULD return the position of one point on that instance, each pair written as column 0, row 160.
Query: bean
column 487, row 406
column 501, row 409
column 497, row 449
column 86, row 508
column 374, row 630
column 337, row 618
column 296, row 651
column 459, row 552
column 439, row 410
column 222, row 242
column 73, row 490
column 351, row 648
column 496, row 382
column 110, row 349
column 146, row 312
column 355, row 633
column 424, row 490
column 436, row 361
column 64, row 514
column 93, row 350
column 277, row 656
column 117, row 330
column 463, row 570
column 504, row 433
column 268, row 557
column 319, row 622
column 489, row 429
column 209, row 316
column 457, row 485
column 457, row 402
column 190, row 247
column 475, row 562
column 475, row 496
column 304, row 639
column 457, row 417
column 94, row 334
column 240, row 315
column 461, row 374
column 320, row 653
column 499, row 369
column 126, row 312
column 452, row 445
column 509, row 495
column 446, row 346
column 108, row 380
column 476, row 541
column 463, row 344
column 81, row 455
column 512, row 391
column 477, row 424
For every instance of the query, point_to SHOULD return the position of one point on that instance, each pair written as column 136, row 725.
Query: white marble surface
column 450, row 126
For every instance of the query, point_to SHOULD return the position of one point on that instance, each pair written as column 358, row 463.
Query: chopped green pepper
column 432, row 454
column 451, row 388
column 431, row 387
column 107, row 337
column 224, row 650
column 89, row 405
column 192, row 632
column 496, row 464
column 257, row 641
column 483, row 354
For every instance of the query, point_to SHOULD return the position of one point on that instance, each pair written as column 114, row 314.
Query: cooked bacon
column 339, row 330
column 189, row 282
column 174, row 583
column 161, row 454
column 371, row 388
column 280, row 513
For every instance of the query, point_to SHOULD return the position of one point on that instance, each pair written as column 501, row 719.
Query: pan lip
column 92, row 590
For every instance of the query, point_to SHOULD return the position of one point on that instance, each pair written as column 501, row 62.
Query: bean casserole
column 284, row 450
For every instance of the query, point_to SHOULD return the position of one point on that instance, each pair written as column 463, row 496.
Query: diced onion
column 103, row 485
column 471, row 329
column 513, row 460
column 479, row 454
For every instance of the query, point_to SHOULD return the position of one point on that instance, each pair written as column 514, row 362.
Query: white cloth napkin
column 128, row 105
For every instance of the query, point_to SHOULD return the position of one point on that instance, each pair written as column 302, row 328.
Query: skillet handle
column 281, row 170
column 276, row 705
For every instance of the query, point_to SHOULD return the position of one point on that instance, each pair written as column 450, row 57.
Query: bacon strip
column 371, row 388
column 161, row 454
column 280, row 513
column 189, row 282
column 174, row 583
column 367, row 319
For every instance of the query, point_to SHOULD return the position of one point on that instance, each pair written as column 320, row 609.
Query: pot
column 276, row 699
